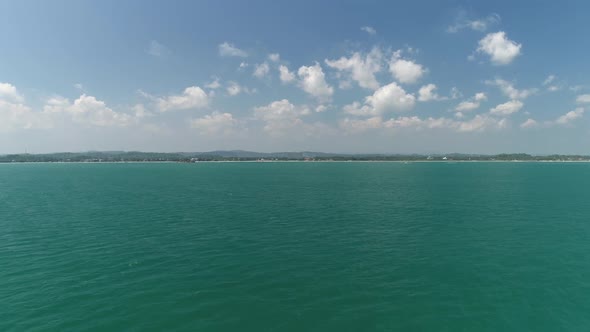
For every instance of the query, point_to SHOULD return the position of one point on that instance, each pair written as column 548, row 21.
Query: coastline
column 297, row 161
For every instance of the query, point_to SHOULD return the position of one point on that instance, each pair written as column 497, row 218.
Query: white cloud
column 14, row 114
column 285, row 75
column 549, row 79
column 191, row 97
column 358, row 126
column 9, row 92
column 158, row 50
column 362, row 68
column 477, row 124
column 510, row 91
column 369, row 30
column 507, row 108
column 529, row 123
column 79, row 86
column 391, row 97
column 56, row 104
column 233, row 89
column 583, row 99
column 227, row 49
column 274, row 57
column 466, row 106
column 321, row 108
column 261, row 70
column 427, row 93
column 405, row 71
column 215, row 123
column 243, row 65
column 481, row 24
column 388, row 98
column 87, row 110
column 313, row 81
column 500, row 49
column 471, row 104
column 552, row 87
column 280, row 115
column 482, row 122
column 480, row 96
column 571, row 116
column 214, row 84
column 408, row 122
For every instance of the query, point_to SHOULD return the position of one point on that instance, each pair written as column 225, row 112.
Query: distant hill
column 240, row 155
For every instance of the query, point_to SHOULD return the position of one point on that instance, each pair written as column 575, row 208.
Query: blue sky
column 337, row 76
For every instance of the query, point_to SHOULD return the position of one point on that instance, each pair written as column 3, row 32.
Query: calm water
column 295, row 247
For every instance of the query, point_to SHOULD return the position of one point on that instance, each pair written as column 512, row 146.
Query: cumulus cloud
column 191, row 97
column 14, row 114
column 428, row 93
column 369, row 30
column 481, row 122
column 388, row 98
column 361, row 67
column 570, row 116
column 9, row 92
column 261, row 70
column 227, row 49
column 214, row 123
column 87, row 110
column 466, row 106
column 529, row 123
column 472, row 103
column 480, row 96
column 507, row 108
column 476, row 124
column 280, row 115
column 313, row 81
column 583, row 99
column 510, row 91
column 321, row 108
column 285, row 75
column 215, row 84
column 156, row 49
column 480, row 24
column 405, row 71
column 234, row 89
column 274, row 57
column 391, row 97
column 499, row 48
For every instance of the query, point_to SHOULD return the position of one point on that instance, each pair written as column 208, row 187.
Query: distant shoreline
column 296, row 161
column 249, row 156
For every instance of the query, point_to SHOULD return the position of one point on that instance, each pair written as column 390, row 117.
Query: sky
column 333, row 76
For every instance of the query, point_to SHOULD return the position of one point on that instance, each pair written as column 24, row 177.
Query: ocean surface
column 295, row 247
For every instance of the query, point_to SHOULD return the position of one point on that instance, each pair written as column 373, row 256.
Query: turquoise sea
column 295, row 247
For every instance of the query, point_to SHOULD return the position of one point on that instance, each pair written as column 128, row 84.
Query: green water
column 295, row 247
